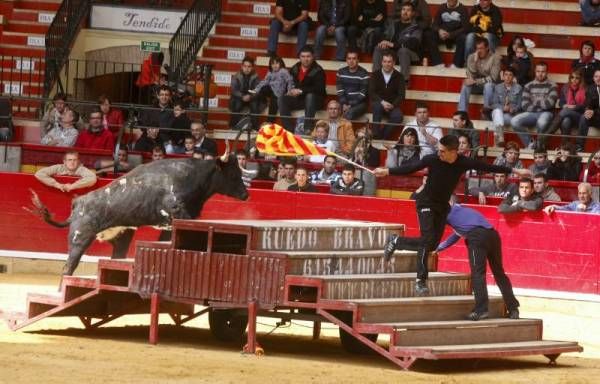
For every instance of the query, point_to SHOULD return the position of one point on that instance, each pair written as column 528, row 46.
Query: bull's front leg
column 80, row 238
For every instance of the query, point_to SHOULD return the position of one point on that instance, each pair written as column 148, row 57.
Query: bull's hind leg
column 121, row 243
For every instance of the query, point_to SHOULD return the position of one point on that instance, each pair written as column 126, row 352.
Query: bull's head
column 231, row 176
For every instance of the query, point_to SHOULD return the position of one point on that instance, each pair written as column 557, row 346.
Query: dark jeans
column 384, row 131
column 584, row 127
column 354, row 32
column 430, row 47
column 310, row 102
column 459, row 52
column 300, row 30
column 356, row 111
column 267, row 93
column 236, row 105
column 485, row 246
column 432, row 221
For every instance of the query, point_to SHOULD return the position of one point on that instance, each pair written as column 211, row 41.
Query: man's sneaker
column 389, row 247
column 475, row 316
column 513, row 314
column 421, row 288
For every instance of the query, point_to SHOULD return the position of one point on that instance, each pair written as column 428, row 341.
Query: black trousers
column 236, row 105
column 485, row 247
column 432, row 221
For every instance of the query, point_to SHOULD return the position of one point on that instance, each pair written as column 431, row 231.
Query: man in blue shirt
column 483, row 243
column 584, row 203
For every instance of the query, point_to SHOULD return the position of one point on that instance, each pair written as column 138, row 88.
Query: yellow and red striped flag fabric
column 273, row 139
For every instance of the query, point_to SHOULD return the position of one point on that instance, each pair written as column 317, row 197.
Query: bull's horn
column 225, row 155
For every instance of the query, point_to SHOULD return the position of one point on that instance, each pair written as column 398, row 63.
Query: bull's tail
column 39, row 209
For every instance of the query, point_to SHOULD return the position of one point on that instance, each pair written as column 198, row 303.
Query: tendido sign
column 135, row 19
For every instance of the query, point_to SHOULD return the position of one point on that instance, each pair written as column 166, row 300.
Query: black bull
column 151, row 194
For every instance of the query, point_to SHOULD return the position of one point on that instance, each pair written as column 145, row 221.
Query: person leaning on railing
column 584, row 202
column 71, row 166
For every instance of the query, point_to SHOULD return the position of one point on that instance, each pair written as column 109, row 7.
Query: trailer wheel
column 227, row 324
column 349, row 342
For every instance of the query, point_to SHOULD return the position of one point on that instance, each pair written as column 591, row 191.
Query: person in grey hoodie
column 276, row 83
column 541, row 187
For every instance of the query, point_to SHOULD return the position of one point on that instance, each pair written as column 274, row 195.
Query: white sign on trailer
column 136, row 19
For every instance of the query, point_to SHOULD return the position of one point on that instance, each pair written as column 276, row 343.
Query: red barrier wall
column 559, row 252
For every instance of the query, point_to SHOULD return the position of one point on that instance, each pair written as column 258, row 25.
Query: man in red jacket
column 95, row 136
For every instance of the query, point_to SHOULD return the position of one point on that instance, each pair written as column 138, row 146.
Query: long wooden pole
column 351, row 162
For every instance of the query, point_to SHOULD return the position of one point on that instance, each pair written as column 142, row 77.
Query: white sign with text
column 222, row 78
column 24, row 65
column 13, row 89
column 36, row 41
column 248, row 32
column 235, row 55
column 262, row 9
column 212, row 103
column 135, row 19
column 45, row 18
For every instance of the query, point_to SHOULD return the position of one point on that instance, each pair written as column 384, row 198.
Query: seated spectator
column 572, row 104
column 591, row 114
column 198, row 130
column 150, row 139
column 525, row 200
column 291, row 17
column 247, row 175
column 71, row 166
column 584, row 202
column 328, row 174
column 276, row 83
column 161, row 114
column 428, row 131
column 587, row 61
column 95, row 136
column 483, row 72
column 541, row 187
column 53, row 117
column 404, row 38
column 506, row 103
column 308, row 92
column 321, row 140
column 538, row 101
column 189, row 144
column 6, row 126
column 590, row 12
column 240, row 96
column 464, row 145
column 406, row 151
column 364, row 152
column 341, row 133
column 519, row 60
column 486, row 21
column 334, row 16
column 352, row 84
column 510, row 156
column 289, row 166
column 112, row 118
column 386, row 90
column 104, row 166
column 63, row 134
column 540, row 161
column 266, row 171
column 280, row 172
column 450, row 27
column 158, row 153
column 180, row 128
column 499, row 188
column 368, row 25
column 566, row 165
column 594, row 167
column 302, row 183
column 347, row 184
column 464, row 126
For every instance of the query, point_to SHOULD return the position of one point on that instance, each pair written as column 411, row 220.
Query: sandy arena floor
column 59, row 350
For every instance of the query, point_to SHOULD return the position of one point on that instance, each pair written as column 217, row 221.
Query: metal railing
column 190, row 36
column 59, row 38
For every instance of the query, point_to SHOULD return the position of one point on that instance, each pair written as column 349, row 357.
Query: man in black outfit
column 445, row 169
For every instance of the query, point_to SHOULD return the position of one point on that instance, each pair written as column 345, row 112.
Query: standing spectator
column 483, row 72
column 423, row 19
column 405, row 151
column 591, row 114
column 537, row 103
column 291, row 17
column 242, row 83
column 540, row 161
column 520, row 60
column 464, row 126
column 486, row 21
column 321, row 140
column 308, row 92
column 352, row 84
column 584, row 202
column 276, row 83
column 465, row 146
column 590, row 12
column 340, row 130
column 161, row 115
column 334, row 16
column 500, row 187
column 63, row 134
column 327, row 174
column 198, row 130
column 572, row 104
column 95, row 136
column 510, row 156
column 566, row 165
column 71, row 166
column 302, row 183
column 428, row 131
column 289, row 167
column 112, row 118
column 53, row 117
column 525, row 200
column 368, row 25
column 180, row 128
column 386, row 90
column 404, row 37
column 587, row 61
column 450, row 27
column 506, row 103
column 541, row 187
column 347, row 184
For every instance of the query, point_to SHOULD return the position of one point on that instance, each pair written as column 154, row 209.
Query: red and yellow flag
column 273, row 139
